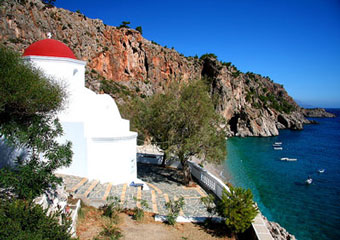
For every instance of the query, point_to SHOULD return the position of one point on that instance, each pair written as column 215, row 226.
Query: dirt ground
column 91, row 223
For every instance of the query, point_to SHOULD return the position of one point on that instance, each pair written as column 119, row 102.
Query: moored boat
column 288, row 159
column 309, row 180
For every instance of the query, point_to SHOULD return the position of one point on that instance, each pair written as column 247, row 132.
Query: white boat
column 277, row 144
column 292, row 159
column 321, row 170
column 288, row 159
column 309, row 180
column 278, row 148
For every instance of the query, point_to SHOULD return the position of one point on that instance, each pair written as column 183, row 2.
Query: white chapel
column 104, row 148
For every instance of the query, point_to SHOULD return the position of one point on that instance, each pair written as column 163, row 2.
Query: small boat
column 278, row 148
column 321, row 170
column 309, row 180
column 289, row 159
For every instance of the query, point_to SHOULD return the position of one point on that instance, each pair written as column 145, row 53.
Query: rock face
column 316, row 113
column 123, row 63
column 278, row 232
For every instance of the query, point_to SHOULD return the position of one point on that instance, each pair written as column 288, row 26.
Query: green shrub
column 124, row 24
column 110, row 231
column 226, row 64
column 256, row 105
column 236, row 74
column 174, row 207
column 138, row 213
column 111, row 87
column 248, row 97
column 208, row 55
column 112, row 208
column 263, row 98
column 139, row 29
column 25, row 220
column 209, row 203
column 238, row 209
column 153, row 42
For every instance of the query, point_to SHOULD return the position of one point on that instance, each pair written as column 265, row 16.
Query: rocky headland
column 122, row 63
column 317, row 113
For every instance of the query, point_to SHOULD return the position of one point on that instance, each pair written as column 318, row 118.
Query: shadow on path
column 157, row 174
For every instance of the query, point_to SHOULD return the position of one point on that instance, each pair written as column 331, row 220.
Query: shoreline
column 275, row 229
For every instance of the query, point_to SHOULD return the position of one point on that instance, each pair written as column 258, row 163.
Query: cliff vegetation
column 122, row 63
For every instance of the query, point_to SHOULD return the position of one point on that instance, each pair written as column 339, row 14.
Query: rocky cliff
column 123, row 63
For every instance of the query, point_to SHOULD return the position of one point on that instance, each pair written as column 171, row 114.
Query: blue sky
column 294, row 42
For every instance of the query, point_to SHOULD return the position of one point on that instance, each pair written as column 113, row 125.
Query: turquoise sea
column 307, row 211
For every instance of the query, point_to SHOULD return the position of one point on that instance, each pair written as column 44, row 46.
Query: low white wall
column 155, row 159
column 215, row 185
column 207, row 179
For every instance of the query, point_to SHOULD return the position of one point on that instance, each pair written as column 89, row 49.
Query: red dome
column 49, row 48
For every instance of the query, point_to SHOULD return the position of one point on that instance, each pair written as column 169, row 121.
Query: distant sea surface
column 307, row 211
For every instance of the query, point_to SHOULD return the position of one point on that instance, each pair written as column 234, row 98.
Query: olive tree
column 183, row 122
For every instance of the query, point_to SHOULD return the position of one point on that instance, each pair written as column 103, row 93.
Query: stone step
column 80, row 184
column 98, row 191
column 72, row 183
column 86, row 188
column 96, row 194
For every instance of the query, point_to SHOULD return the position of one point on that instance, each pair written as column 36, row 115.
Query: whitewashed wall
column 104, row 147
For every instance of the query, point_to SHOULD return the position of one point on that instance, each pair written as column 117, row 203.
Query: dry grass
column 91, row 223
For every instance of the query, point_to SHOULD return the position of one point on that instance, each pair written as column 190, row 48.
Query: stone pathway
column 164, row 185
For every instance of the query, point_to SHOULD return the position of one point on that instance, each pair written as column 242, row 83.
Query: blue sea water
column 307, row 211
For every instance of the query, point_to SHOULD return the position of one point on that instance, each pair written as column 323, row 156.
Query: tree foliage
column 238, row 208
column 124, row 24
column 49, row 2
column 28, row 105
column 139, row 29
column 208, row 55
column 22, row 220
column 182, row 121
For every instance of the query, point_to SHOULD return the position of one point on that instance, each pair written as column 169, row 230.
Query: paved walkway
column 165, row 184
